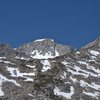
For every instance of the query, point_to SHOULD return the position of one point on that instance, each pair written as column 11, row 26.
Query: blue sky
column 72, row 22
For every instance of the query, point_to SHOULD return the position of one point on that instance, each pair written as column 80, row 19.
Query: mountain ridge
column 31, row 73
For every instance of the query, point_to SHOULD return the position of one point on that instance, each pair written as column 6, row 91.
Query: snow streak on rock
column 64, row 94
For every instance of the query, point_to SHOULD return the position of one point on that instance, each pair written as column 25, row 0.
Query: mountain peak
column 44, row 49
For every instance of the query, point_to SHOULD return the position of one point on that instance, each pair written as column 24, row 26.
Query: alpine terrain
column 45, row 70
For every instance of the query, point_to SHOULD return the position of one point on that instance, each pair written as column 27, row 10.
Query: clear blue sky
column 72, row 22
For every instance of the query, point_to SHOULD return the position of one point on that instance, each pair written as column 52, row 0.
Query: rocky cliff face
column 45, row 70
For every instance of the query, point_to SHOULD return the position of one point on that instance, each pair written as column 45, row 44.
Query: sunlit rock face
column 45, row 70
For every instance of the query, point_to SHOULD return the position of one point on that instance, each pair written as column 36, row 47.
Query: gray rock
column 75, row 74
column 45, row 46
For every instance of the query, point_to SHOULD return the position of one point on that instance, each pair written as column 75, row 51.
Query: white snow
column 39, row 40
column 95, row 53
column 91, row 68
column 29, row 79
column 85, row 73
column 56, row 53
column 93, row 57
column 95, row 94
column 94, row 69
column 22, row 58
column 96, row 86
column 1, row 92
column 3, row 79
column 77, row 52
column 15, row 48
column 7, row 62
column 46, row 65
column 16, row 73
column 37, row 55
column 83, row 62
column 2, row 57
column 64, row 94
column 65, row 63
column 30, row 66
column 73, row 79
column 76, row 70
column 92, row 85
column 64, row 74
column 30, row 95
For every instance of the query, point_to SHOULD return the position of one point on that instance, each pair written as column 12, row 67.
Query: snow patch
column 64, row 94
column 2, row 57
column 94, row 69
column 29, row 79
column 30, row 95
column 92, row 85
column 46, row 65
column 95, row 53
column 64, row 75
column 3, row 79
column 56, row 53
column 39, row 40
column 94, row 95
column 22, row 58
column 30, row 66
column 73, row 79
column 16, row 73
column 83, row 62
column 7, row 62
column 76, row 70
column 77, row 52
column 37, row 55
column 65, row 63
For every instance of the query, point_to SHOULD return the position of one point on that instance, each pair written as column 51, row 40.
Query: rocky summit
column 45, row 70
